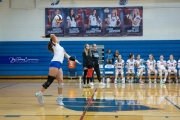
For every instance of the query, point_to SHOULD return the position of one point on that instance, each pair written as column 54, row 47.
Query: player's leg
column 166, row 74
column 116, row 76
column 169, row 74
column 149, row 75
column 128, row 73
column 155, row 77
column 60, row 86
column 122, row 76
column 84, row 78
column 160, row 74
column 175, row 74
column 51, row 76
column 132, row 77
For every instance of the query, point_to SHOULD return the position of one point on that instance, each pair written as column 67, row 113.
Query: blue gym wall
column 37, row 49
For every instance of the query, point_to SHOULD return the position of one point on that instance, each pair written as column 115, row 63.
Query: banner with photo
column 88, row 22
column 112, row 21
column 51, row 26
column 133, row 22
column 93, row 21
column 74, row 22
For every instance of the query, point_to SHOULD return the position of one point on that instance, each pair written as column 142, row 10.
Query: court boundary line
column 86, row 108
column 9, row 85
column 172, row 103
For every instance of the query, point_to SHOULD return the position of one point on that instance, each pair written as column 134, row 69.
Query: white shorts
column 152, row 71
column 172, row 70
column 130, row 70
column 119, row 70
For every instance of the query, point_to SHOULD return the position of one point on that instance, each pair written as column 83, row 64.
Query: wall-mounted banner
column 93, row 21
column 108, row 21
column 74, row 22
column 133, row 23
column 18, row 60
column 51, row 26
column 112, row 21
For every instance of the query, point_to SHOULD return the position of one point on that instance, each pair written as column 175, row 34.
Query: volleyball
column 58, row 17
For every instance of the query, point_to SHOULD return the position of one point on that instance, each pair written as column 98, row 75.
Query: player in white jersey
column 171, row 64
column 94, row 20
column 55, row 70
column 55, row 23
column 161, row 64
column 113, row 19
column 179, row 68
column 135, row 18
column 130, row 67
column 151, row 64
column 71, row 19
column 140, row 67
column 119, row 68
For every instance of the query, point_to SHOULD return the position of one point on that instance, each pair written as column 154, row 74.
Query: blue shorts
column 55, row 64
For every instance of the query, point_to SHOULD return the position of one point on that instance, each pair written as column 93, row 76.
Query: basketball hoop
column 123, row 2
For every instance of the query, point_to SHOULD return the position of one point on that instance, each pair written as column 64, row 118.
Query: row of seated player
column 140, row 67
column 111, row 58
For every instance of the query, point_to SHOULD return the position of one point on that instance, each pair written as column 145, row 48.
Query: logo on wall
column 18, row 60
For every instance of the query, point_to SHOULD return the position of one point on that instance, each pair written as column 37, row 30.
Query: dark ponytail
column 49, row 46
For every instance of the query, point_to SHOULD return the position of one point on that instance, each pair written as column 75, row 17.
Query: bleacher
column 37, row 50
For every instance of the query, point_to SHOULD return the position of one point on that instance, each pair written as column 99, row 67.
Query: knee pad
column 160, row 73
column 166, row 72
column 60, row 85
column 175, row 71
column 169, row 70
column 48, row 82
column 122, row 73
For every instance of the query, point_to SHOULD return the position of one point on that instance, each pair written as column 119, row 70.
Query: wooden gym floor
column 113, row 102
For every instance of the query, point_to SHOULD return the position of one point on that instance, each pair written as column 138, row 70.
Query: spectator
column 108, row 57
column 115, row 56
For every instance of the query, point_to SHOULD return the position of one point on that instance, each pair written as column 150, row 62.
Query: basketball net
column 123, row 2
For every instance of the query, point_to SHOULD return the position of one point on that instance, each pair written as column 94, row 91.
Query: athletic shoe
column 176, row 80
column 102, row 84
column 149, row 81
column 141, row 81
column 161, row 82
column 91, row 84
column 40, row 97
column 155, row 82
column 85, row 86
column 123, row 81
column 164, row 80
column 88, row 86
column 115, row 81
column 59, row 101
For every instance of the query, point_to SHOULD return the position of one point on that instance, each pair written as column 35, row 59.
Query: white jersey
column 58, row 53
column 93, row 20
column 130, row 63
column 172, row 64
column 119, row 64
column 72, row 22
column 161, row 64
column 140, row 64
column 151, row 64
column 54, row 23
column 136, row 18
column 113, row 20
column 178, row 63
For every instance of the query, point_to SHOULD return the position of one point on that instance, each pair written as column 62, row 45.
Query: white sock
column 60, row 95
column 40, row 92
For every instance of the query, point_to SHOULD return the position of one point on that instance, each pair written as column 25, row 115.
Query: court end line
column 84, row 112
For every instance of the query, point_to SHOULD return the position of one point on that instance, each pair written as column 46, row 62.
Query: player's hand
column 43, row 36
column 77, row 62
column 85, row 68
column 92, row 68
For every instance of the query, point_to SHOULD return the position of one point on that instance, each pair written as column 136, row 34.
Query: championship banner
column 51, row 26
column 73, row 22
column 93, row 21
column 112, row 21
column 133, row 22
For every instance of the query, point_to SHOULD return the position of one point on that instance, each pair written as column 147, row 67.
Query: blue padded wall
column 37, row 49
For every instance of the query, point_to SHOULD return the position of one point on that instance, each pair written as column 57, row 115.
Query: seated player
column 140, row 67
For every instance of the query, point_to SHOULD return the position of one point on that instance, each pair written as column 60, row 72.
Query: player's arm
column 71, row 58
column 52, row 36
column 135, row 22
